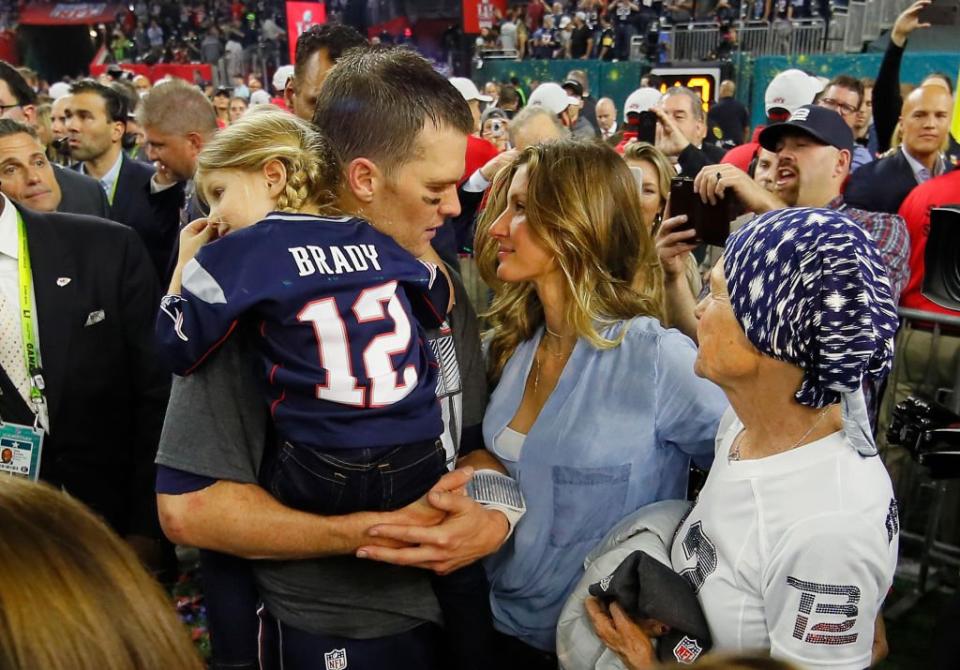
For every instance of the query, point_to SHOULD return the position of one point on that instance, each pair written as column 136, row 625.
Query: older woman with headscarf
column 792, row 544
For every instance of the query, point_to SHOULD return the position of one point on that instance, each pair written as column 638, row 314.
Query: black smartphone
column 712, row 222
column 941, row 13
column 647, row 128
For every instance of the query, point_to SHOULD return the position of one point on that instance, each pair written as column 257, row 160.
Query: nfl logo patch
column 687, row 651
column 336, row 659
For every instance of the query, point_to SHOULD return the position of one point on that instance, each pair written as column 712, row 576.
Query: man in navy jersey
column 355, row 613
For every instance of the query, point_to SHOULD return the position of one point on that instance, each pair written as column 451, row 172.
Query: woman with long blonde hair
column 74, row 596
column 596, row 410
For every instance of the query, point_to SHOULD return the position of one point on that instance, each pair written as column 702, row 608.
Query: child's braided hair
column 267, row 133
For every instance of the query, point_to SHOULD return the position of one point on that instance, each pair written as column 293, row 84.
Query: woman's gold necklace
column 537, row 357
column 734, row 454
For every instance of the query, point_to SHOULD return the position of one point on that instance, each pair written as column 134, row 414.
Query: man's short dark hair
column 377, row 100
column 19, row 88
column 849, row 83
column 126, row 89
column 508, row 96
column 114, row 101
column 10, row 127
column 335, row 38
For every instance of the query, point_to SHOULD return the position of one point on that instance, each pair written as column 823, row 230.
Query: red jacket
column 741, row 156
column 915, row 210
column 479, row 151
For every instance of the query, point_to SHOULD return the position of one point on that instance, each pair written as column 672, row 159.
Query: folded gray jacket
column 650, row 529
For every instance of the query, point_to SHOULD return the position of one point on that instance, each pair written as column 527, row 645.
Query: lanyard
column 27, row 323
column 113, row 190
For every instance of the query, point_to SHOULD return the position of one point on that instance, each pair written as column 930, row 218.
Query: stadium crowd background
column 248, row 45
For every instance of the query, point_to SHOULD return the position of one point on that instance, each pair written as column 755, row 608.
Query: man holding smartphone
column 814, row 148
column 681, row 130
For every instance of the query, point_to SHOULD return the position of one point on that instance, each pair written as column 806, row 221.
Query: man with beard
column 814, row 148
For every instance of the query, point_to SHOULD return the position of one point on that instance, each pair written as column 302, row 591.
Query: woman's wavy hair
column 74, row 595
column 267, row 133
column 583, row 207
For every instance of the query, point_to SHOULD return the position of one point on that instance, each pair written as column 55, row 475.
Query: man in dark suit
column 104, row 398
column 80, row 194
column 681, row 130
column 96, row 123
column 177, row 120
column 28, row 178
column 883, row 185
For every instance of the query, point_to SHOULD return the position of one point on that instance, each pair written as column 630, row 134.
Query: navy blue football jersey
column 345, row 361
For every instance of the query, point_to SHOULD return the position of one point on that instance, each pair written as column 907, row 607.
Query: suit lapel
column 120, row 193
column 52, row 264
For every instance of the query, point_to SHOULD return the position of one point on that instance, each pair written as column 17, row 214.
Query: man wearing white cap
column 58, row 90
column 472, row 95
column 553, row 98
column 283, row 75
column 787, row 92
column 643, row 99
column 479, row 153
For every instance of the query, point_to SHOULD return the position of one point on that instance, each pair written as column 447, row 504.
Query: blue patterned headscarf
column 809, row 287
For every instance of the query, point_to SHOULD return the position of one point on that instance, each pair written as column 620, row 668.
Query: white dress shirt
column 108, row 181
column 10, row 271
column 920, row 172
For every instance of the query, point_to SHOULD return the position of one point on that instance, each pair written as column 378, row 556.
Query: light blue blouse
column 617, row 433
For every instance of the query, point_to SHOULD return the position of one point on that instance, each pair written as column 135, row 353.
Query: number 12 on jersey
column 377, row 303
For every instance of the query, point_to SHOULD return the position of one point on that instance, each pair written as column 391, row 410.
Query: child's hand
column 193, row 236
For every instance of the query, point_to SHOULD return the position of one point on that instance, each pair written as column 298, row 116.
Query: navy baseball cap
column 647, row 589
column 824, row 125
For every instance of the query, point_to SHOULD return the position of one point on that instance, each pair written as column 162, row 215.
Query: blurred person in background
column 96, row 124
column 884, row 184
column 509, row 100
column 317, row 50
column 889, row 95
column 656, row 174
column 494, row 128
column 238, row 107
column 681, row 130
column 864, row 131
column 730, row 115
column 606, row 118
column 588, row 104
column 221, row 105
column 579, row 126
column 45, row 123
column 142, row 84
column 82, row 604
column 845, row 95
